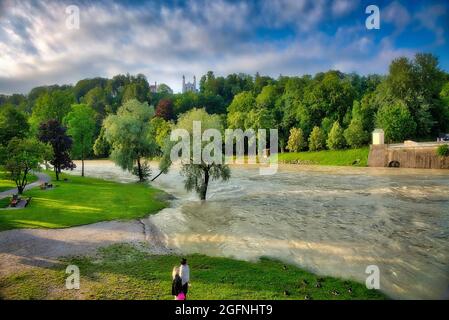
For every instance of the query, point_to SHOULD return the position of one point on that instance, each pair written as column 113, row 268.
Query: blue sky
column 166, row 39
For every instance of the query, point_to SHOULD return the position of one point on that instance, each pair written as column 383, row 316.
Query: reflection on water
column 332, row 221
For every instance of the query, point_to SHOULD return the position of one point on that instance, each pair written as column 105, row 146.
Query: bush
column 336, row 140
column 355, row 135
column 443, row 150
column 397, row 122
column 316, row 139
column 296, row 141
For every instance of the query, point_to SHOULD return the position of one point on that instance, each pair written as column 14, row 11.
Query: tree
column 316, row 140
column 81, row 127
column 102, row 148
column 296, row 140
column 137, row 88
column 242, row 102
column 355, row 135
column 129, row 134
column 160, row 131
column 260, row 82
column 198, row 176
column 96, row 99
column 164, row 109
column 443, row 115
column 396, row 121
column 288, row 104
column 326, row 125
column 213, row 103
column 21, row 157
column 267, row 97
column 52, row 105
column 336, row 139
column 259, row 119
column 185, row 102
column 164, row 89
column 328, row 95
column 417, row 83
column 82, row 87
column 54, row 133
column 13, row 123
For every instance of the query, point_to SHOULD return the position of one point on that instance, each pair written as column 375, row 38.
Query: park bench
column 17, row 202
column 45, row 186
column 14, row 201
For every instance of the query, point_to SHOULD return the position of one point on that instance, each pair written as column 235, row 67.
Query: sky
column 165, row 39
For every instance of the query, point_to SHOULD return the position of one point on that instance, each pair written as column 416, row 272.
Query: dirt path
column 41, row 178
column 27, row 248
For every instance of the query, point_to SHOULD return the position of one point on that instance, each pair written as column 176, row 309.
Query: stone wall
column 424, row 157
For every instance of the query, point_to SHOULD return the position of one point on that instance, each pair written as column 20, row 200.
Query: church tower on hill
column 188, row 87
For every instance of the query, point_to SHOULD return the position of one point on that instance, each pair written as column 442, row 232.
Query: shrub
column 443, row 150
column 397, row 122
column 336, row 140
column 296, row 141
column 316, row 139
column 355, row 135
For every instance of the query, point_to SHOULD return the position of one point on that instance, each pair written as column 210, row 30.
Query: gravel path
column 41, row 178
column 27, row 248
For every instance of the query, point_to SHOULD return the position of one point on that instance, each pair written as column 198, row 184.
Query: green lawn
column 6, row 184
column 82, row 201
column 328, row 157
column 123, row 272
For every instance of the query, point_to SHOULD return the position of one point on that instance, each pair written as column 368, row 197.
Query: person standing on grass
column 184, row 272
column 176, row 287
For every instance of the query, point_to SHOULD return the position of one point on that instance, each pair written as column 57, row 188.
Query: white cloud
column 165, row 42
column 396, row 14
column 343, row 7
column 430, row 18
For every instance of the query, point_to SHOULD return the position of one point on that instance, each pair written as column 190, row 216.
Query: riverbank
column 126, row 272
column 78, row 201
column 329, row 220
column 347, row 157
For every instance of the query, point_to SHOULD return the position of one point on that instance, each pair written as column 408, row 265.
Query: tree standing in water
column 198, row 175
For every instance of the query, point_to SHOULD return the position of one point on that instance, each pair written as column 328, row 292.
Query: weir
column 410, row 154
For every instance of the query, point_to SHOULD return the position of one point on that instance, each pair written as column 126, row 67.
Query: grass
column 6, row 184
column 4, row 202
column 328, row 157
column 124, row 272
column 79, row 201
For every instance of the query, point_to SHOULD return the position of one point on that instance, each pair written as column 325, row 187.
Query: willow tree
column 198, row 174
column 129, row 134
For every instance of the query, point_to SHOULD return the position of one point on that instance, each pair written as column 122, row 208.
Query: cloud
column 166, row 39
column 396, row 14
column 344, row 7
column 303, row 14
column 431, row 17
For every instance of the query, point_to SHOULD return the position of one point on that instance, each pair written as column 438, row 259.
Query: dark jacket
column 176, row 286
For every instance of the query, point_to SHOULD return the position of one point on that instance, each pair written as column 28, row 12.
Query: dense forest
column 330, row 110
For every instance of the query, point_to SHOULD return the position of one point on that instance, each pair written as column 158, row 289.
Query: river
column 329, row 220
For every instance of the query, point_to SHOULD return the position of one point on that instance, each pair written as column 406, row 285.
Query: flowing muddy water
column 329, row 220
